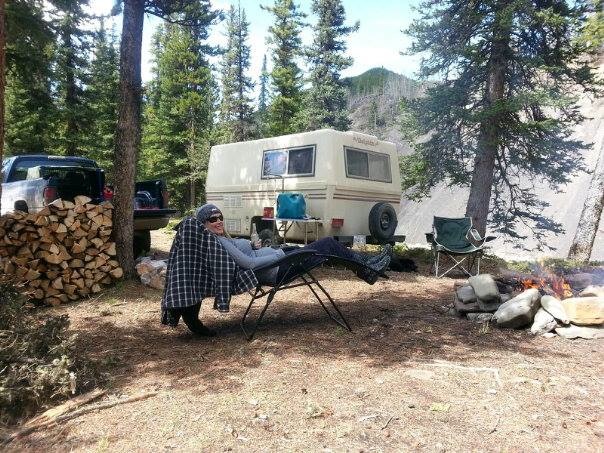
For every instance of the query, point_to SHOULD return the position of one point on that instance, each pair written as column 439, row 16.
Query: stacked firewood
column 62, row 252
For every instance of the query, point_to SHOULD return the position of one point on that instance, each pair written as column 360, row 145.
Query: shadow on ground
column 393, row 322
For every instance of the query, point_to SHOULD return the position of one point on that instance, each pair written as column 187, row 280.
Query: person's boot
column 386, row 251
column 381, row 265
column 367, row 275
column 199, row 329
column 191, row 318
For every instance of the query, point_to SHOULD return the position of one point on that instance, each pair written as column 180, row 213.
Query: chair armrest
column 430, row 238
column 474, row 235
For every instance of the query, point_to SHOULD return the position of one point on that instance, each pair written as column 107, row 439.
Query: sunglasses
column 215, row 219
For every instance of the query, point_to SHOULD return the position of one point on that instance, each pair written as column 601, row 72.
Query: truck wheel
column 266, row 237
column 21, row 205
column 141, row 243
column 382, row 221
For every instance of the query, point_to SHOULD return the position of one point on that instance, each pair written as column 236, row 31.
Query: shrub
column 39, row 363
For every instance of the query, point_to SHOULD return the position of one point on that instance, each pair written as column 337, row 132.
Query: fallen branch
column 445, row 364
column 105, row 406
column 61, row 418
column 51, row 415
column 388, row 422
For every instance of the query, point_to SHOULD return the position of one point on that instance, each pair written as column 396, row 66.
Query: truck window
column 369, row 165
column 21, row 167
column 289, row 162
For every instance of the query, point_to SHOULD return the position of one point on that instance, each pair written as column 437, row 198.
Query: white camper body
column 342, row 175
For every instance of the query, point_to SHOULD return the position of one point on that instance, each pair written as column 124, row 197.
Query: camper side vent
column 233, row 201
column 233, row 225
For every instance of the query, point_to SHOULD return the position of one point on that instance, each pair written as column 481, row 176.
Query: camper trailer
column 349, row 181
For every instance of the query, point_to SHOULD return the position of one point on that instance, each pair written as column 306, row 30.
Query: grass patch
column 40, row 364
column 555, row 265
column 170, row 228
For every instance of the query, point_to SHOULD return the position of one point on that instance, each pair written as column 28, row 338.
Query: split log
column 61, row 253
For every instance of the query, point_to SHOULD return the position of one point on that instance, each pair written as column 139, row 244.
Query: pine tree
column 499, row 118
column 128, row 137
column 179, row 114
column 325, row 105
column 286, row 76
column 263, row 101
column 72, row 57
column 30, row 111
column 99, row 140
column 263, row 95
column 236, row 111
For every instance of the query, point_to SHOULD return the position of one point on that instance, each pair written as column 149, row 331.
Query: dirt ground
column 408, row 378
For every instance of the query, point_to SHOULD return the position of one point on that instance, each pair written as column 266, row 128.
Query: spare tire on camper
column 382, row 221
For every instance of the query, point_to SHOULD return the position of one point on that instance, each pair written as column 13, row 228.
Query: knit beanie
column 206, row 211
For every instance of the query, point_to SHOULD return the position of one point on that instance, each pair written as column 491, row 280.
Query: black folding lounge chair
column 299, row 265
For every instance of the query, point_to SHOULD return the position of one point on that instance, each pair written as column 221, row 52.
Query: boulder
column 585, row 310
column 488, row 306
column 479, row 317
column 465, row 308
column 460, row 283
column 505, row 297
column 466, row 294
column 593, row 291
column 572, row 331
column 555, row 308
column 543, row 322
column 519, row 311
column 485, row 287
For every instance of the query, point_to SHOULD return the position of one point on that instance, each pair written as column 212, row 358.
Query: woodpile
column 61, row 253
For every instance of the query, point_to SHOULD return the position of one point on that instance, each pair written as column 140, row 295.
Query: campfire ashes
column 572, row 308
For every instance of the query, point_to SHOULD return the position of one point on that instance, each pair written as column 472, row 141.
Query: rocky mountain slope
column 373, row 101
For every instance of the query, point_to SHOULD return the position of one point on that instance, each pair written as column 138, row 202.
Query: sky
column 378, row 42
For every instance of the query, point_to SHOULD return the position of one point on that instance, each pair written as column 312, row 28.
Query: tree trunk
column 128, row 137
column 488, row 142
column 71, row 127
column 585, row 235
column 2, row 79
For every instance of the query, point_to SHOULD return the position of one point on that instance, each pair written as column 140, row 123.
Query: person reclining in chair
column 251, row 256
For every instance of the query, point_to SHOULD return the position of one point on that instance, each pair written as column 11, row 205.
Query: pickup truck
column 31, row 181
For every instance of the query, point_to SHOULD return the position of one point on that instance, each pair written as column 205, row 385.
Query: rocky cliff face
column 374, row 99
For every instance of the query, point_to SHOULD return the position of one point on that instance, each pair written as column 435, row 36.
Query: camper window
column 367, row 165
column 289, row 162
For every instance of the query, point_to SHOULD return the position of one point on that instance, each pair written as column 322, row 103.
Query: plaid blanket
column 199, row 267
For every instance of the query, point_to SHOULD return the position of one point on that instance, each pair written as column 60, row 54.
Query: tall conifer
column 236, row 111
column 263, row 95
column 179, row 116
column 325, row 105
column 30, row 112
column 71, row 64
column 263, row 101
column 286, row 76
column 102, row 99
column 499, row 118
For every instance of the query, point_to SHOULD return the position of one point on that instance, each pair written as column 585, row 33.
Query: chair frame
column 288, row 281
